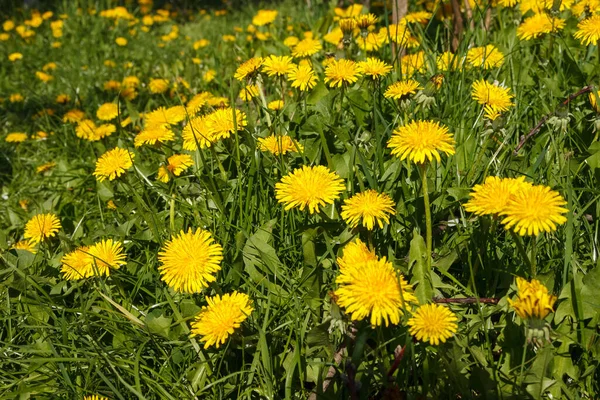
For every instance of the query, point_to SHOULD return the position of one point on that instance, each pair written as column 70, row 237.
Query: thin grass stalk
column 428, row 227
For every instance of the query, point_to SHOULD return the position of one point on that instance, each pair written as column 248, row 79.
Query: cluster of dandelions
column 189, row 264
column 526, row 208
column 371, row 287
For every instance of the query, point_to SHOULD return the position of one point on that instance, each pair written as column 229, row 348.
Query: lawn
column 300, row 199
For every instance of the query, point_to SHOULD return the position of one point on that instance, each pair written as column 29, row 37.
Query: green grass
column 127, row 335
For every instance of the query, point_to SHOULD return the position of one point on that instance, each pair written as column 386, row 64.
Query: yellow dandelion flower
column 291, row 41
column 221, row 123
column 492, row 95
column 195, row 104
column 279, row 144
column 420, row 140
column 26, row 245
column 448, row 61
column 432, row 323
column 582, row 6
column 112, row 86
column 15, row 56
column 41, row 226
column 249, row 92
column 278, row 65
column 376, row 290
column 190, row 261
column 534, row 209
column 45, row 167
column 103, row 131
column 311, row 187
column 154, row 134
column 73, row 116
column 105, row 256
column 491, row 113
column 401, row 90
column 15, row 137
column 132, row 82
column 121, row 41
column 374, row 68
column 588, row 30
column 86, row 129
column 419, row 17
column 485, row 57
column 594, row 101
column 275, row 105
column 539, row 24
column 306, row 48
column 77, row 264
column 51, row 66
column 248, row 69
column 303, row 77
column 165, row 116
column 341, row 72
column 221, row 317
column 370, row 207
column 493, row 196
column 355, row 254
column 401, row 35
column 347, row 25
column 63, row 98
column 178, row 163
column 24, row 204
column 334, row 37
column 95, row 397
column 16, row 98
column 157, row 85
column 113, row 164
column 197, row 132
column 349, row 12
column 372, row 41
column 364, row 21
column 107, row 111
column 264, row 17
column 163, row 174
column 218, row 101
column 533, row 300
column 44, row 77
column 209, row 75
column 413, row 63
column 8, row 25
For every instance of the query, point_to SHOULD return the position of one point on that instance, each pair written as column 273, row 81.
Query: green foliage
column 128, row 335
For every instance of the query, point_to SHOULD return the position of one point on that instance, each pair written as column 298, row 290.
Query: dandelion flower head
column 311, row 187
column 421, row 140
column 533, row 300
column 190, row 261
column 41, row 226
column 221, row 317
column 368, row 207
column 432, row 323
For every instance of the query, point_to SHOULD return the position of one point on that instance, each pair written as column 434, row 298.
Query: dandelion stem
column 533, row 256
column 216, row 157
column 429, row 235
column 520, row 247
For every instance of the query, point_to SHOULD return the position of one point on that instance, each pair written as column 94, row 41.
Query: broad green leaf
column 421, row 275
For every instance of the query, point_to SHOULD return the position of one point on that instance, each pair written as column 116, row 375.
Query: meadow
column 292, row 200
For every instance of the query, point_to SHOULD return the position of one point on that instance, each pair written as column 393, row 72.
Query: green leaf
column 594, row 160
column 421, row 278
column 317, row 93
column 158, row 324
column 104, row 191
